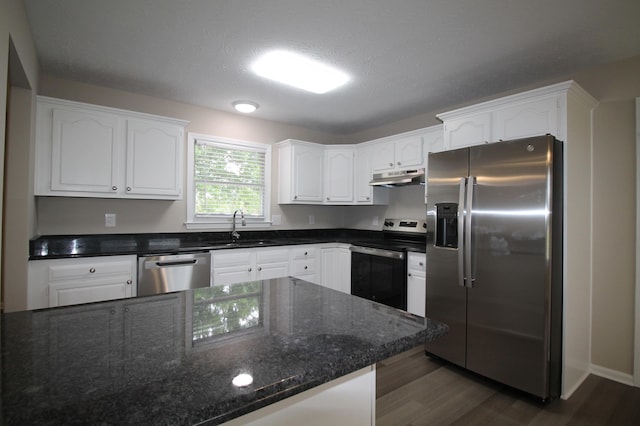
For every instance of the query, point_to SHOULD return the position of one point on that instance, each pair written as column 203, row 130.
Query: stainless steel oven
column 379, row 266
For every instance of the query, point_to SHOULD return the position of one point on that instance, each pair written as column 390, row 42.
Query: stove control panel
column 405, row 225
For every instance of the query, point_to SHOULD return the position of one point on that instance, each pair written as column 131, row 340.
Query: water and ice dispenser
column 446, row 225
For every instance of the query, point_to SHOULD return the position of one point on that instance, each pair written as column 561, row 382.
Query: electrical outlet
column 312, row 219
column 276, row 220
column 110, row 220
column 375, row 221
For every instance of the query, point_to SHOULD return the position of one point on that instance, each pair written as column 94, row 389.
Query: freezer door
column 446, row 299
column 508, row 306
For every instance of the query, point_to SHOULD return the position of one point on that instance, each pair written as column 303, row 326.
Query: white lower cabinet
column 61, row 282
column 336, row 268
column 241, row 265
column 416, row 283
column 304, row 263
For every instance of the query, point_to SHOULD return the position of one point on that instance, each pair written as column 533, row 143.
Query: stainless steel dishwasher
column 167, row 273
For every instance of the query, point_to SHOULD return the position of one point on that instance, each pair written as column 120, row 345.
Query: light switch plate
column 312, row 219
column 110, row 220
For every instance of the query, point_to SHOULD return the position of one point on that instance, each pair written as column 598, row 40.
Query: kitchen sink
column 250, row 243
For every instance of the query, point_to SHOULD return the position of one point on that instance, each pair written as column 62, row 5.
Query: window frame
column 224, row 221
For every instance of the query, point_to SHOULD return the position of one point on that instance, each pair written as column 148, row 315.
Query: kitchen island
column 173, row 358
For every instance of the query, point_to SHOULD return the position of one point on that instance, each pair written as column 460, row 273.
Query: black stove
column 379, row 267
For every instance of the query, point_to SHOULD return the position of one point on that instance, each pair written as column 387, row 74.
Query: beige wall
column 17, row 53
column 614, row 259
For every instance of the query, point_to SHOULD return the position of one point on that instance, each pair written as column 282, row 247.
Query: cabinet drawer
column 416, row 263
column 303, row 266
column 231, row 258
column 303, row 252
column 88, row 270
column 272, row 256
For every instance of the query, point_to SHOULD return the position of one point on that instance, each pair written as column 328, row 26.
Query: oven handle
column 378, row 252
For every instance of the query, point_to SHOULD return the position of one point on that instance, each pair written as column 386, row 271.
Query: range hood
column 399, row 178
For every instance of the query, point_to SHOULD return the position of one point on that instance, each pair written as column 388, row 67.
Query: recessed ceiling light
column 299, row 71
column 245, row 106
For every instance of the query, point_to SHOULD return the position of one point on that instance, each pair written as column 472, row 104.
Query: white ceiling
column 405, row 57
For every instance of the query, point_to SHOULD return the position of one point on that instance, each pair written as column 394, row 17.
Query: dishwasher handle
column 176, row 263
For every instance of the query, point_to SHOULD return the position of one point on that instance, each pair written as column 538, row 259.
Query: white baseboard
column 610, row 374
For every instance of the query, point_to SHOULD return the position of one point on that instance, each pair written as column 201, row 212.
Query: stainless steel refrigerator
column 494, row 262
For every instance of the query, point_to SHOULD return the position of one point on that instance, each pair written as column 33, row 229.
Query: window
column 225, row 175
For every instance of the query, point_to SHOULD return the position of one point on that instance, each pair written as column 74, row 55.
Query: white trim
column 636, row 352
column 614, row 375
column 109, row 110
column 193, row 222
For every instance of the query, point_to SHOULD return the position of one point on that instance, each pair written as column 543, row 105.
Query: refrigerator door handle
column 471, row 183
column 461, row 221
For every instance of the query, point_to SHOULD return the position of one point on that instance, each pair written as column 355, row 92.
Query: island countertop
column 171, row 359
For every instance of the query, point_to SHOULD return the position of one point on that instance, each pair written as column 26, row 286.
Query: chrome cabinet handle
column 295, row 197
column 409, row 274
column 399, row 163
column 129, row 282
column 128, row 188
column 259, row 268
column 92, row 270
column 115, row 188
column 306, row 267
column 390, row 164
column 249, row 269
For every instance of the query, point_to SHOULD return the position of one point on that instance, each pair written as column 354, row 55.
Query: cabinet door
column 433, row 142
column 409, row 152
column 85, row 151
column 467, row 131
column 336, row 268
column 75, row 281
column 338, row 176
column 383, row 156
column 526, row 119
column 307, row 173
column 232, row 266
column 416, row 284
column 272, row 263
column 154, row 159
column 365, row 193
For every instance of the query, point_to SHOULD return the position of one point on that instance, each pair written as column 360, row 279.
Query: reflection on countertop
column 171, row 359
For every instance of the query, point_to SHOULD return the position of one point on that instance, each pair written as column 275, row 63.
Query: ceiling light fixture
column 299, row 71
column 245, row 106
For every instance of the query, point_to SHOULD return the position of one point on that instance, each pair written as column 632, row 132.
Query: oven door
column 379, row 275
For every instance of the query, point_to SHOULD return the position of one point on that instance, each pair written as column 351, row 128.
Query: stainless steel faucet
column 234, row 234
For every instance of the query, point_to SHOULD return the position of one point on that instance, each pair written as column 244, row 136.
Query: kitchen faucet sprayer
column 234, row 234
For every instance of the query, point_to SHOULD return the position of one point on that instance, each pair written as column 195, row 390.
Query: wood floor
column 413, row 389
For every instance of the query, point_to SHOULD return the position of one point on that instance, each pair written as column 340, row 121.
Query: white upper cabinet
column 532, row 113
column 86, row 150
column 300, row 172
column 468, row 130
column 528, row 118
column 154, row 155
column 398, row 153
column 338, row 175
column 364, row 193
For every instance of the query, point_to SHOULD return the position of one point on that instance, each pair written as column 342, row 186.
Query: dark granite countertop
column 170, row 359
column 67, row 246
